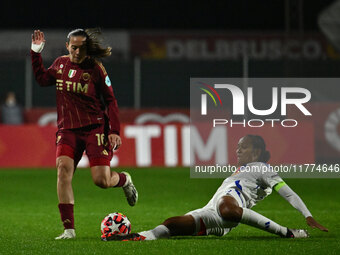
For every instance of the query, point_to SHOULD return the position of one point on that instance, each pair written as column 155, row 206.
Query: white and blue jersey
column 252, row 183
column 248, row 185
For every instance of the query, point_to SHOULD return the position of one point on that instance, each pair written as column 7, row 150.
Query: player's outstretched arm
column 314, row 224
column 43, row 77
column 38, row 41
column 287, row 193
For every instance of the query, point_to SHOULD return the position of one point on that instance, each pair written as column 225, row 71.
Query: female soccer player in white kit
column 232, row 202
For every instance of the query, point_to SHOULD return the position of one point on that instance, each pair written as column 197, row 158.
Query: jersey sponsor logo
column 86, row 76
column 107, row 81
column 71, row 73
column 72, row 86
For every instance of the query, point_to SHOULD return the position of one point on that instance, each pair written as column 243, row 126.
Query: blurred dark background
column 159, row 45
column 163, row 14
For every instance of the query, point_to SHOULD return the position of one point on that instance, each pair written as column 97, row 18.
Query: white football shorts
column 210, row 215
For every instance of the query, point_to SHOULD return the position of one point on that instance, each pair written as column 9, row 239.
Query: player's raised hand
column 38, row 37
column 314, row 224
column 38, row 41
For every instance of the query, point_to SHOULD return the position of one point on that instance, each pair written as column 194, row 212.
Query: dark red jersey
column 84, row 92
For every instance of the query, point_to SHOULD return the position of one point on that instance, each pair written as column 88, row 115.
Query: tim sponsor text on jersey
column 76, row 87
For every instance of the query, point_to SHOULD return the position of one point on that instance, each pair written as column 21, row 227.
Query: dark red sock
column 66, row 213
column 122, row 180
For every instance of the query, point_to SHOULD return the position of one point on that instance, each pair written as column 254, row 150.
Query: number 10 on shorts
column 100, row 139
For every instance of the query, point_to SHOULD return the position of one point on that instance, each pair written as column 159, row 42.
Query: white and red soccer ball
column 115, row 224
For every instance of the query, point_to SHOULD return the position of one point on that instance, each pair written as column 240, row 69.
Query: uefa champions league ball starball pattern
column 115, row 224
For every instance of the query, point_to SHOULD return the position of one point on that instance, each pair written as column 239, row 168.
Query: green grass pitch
column 29, row 218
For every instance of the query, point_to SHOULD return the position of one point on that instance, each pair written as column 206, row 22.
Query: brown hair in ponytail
column 93, row 42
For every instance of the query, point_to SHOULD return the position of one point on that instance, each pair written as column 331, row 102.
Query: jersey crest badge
column 86, row 76
column 107, row 81
column 71, row 73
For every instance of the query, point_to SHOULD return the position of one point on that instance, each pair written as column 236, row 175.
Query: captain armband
column 279, row 185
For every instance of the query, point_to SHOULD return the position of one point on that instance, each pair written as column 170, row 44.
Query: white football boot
column 297, row 233
column 130, row 190
column 68, row 234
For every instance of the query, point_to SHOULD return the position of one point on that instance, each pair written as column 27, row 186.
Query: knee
column 101, row 182
column 230, row 211
column 65, row 170
column 233, row 214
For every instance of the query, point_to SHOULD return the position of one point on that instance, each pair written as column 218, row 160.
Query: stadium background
column 157, row 47
column 155, row 52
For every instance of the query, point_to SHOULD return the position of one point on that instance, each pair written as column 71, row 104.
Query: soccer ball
column 115, row 224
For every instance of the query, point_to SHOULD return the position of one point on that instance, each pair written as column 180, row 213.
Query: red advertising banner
column 161, row 137
column 159, row 145
column 48, row 116
column 27, row 146
column 326, row 122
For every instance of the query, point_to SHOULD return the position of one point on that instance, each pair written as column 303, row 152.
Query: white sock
column 158, row 232
column 148, row 235
column 257, row 220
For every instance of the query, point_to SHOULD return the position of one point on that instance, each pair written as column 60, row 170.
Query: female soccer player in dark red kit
column 85, row 121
